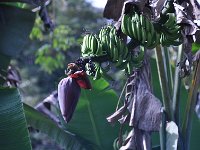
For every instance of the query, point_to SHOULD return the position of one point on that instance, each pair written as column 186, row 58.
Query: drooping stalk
column 176, row 89
column 187, row 121
column 163, row 83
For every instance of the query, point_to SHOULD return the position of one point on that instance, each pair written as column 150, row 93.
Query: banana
column 174, row 29
column 156, row 42
column 93, row 44
column 111, row 48
column 142, row 20
column 133, row 29
column 138, row 26
column 137, row 17
column 143, row 36
column 129, row 27
column 97, row 73
column 170, row 22
column 151, row 28
column 149, row 40
column 99, row 49
column 124, row 24
column 125, row 51
column 116, row 54
column 147, row 25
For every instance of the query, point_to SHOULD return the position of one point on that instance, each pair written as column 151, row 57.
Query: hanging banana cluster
column 171, row 32
column 114, row 46
column 107, row 43
column 91, row 46
column 141, row 29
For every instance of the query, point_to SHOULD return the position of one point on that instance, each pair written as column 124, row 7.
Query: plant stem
column 187, row 122
column 163, row 83
column 100, row 59
column 168, row 69
column 176, row 89
column 163, row 131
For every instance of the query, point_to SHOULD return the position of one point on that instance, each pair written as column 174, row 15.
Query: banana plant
column 165, row 26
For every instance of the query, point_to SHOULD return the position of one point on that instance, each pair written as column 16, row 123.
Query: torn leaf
column 113, row 9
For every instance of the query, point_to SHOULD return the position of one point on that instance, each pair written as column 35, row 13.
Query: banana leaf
column 89, row 119
column 15, row 27
column 13, row 128
column 65, row 139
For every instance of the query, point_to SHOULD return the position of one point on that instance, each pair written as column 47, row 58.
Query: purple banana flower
column 68, row 95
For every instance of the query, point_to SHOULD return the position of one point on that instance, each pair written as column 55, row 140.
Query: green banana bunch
column 110, row 44
column 91, row 46
column 117, row 50
column 141, row 29
column 170, row 32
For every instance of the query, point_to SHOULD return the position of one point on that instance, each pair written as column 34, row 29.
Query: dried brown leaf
column 137, row 140
column 157, row 6
column 113, row 9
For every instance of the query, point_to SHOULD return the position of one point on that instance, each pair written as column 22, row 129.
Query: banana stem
column 83, row 60
column 168, row 69
column 163, row 83
column 163, row 131
column 187, row 122
column 176, row 89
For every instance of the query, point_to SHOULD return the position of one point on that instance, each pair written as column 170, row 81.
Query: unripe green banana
column 170, row 22
column 124, row 24
column 97, row 73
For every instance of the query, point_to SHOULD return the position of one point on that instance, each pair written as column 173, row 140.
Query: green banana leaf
column 183, row 97
column 89, row 120
column 65, row 139
column 13, row 128
column 15, row 27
